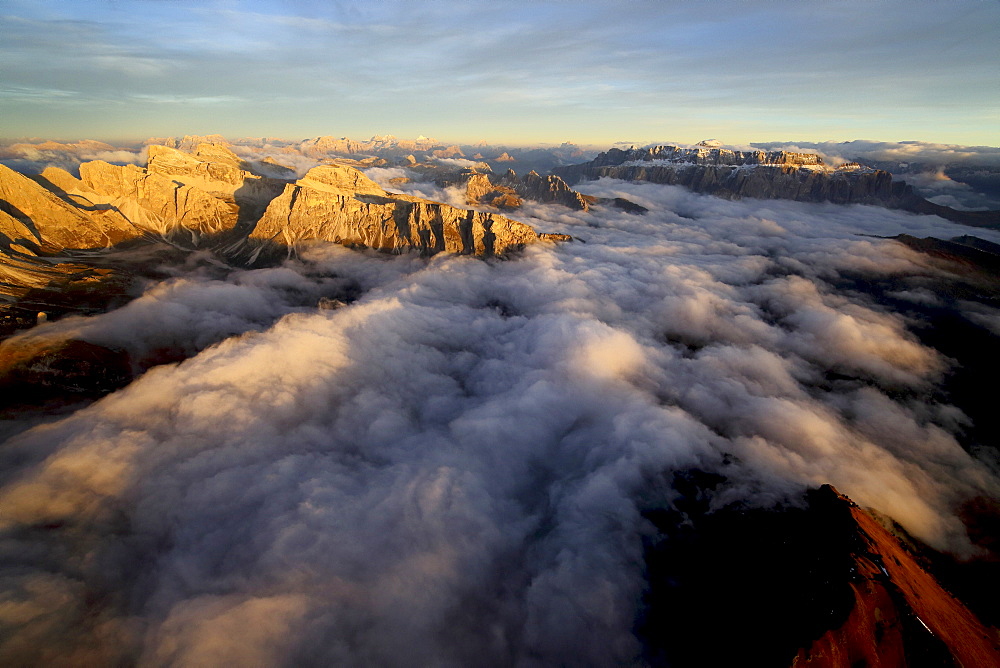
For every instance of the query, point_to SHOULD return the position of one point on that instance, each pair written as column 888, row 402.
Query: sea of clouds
column 451, row 469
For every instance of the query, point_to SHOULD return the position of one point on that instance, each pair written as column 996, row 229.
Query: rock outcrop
column 765, row 175
column 155, row 202
column 210, row 191
column 206, row 198
column 340, row 204
column 549, row 189
column 216, row 170
column 824, row 584
column 42, row 370
column 733, row 174
column 51, row 224
column 510, row 191
column 448, row 152
column 48, row 223
column 479, row 190
column 901, row 615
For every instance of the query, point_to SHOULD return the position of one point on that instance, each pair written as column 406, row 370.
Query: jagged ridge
column 801, row 177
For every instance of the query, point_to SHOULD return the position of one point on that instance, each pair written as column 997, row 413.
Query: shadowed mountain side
column 975, row 254
column 913, row 202
column 901, row 614
column 820, row 585
column 31, row 285
column 766, row 175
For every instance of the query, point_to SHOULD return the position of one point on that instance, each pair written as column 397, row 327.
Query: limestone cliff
column 509, row 191
column 47, row 222
column 342, row 205
column 341, row 180
column 156, row 202
column 548, row 189
column 732, row 174
column 216, row 170
column 765, row 175
column 38, row 222
column 207, row 198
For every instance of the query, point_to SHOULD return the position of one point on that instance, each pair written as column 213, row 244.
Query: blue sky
column 514, row 72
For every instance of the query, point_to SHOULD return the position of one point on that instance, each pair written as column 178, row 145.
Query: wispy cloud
column 844, row 68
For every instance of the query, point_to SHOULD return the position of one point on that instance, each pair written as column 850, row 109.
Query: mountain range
column 806, row 577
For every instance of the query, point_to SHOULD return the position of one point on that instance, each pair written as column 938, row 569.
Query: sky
column 503, row 71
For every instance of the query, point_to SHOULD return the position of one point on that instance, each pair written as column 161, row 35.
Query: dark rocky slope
column 822, row 584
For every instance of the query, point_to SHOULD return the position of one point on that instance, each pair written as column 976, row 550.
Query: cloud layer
column 451, row 470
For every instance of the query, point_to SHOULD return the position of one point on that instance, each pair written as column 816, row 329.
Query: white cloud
column 452, row 469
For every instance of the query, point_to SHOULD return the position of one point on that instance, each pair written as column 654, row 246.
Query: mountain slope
column 731, row 174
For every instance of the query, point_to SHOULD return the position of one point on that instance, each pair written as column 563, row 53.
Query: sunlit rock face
column 340, row 204
column 901, row 615
column 210, row 198
column 216, row 170
column 706, row 155
column 45, row 221
column 802, row 177
column 509, row 191
column 727, row 173
column 157, row 202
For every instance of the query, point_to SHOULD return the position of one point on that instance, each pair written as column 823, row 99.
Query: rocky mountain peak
column 760, row 174
column 340, row 204
column 219, row 153
column 340, row 179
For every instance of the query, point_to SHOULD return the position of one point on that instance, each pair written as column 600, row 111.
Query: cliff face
column 548, row 189
column 766, row 175
column 704, row 155
column 761, row 174
column 156, row 202
column 44, row 221
column 217, row 171
column 210, row 192
column 207, row 198
column 340, row 204
column 509, row 191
